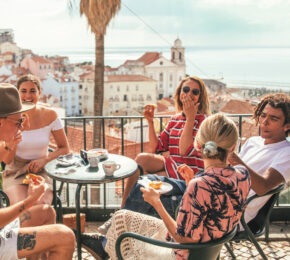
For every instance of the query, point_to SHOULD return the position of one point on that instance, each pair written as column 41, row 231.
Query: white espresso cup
column 93, row 158
column 109, row 167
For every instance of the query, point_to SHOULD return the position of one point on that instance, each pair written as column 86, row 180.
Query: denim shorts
column 170, row 200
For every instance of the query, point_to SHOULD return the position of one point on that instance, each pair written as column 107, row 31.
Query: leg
column 18, row 193
column 150, row 163
column 38, row 215
column 58, row 240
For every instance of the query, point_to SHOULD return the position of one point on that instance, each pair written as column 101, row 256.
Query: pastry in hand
column 155, row 184
column 35, row 178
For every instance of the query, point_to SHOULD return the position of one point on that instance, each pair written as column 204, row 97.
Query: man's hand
column 186, row 172
column 234, row 159
column 151, row 196
column 36, row 190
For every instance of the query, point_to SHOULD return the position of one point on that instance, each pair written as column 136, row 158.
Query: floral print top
column 212, row 204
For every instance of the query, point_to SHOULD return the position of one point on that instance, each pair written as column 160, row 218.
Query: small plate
column 165, row 187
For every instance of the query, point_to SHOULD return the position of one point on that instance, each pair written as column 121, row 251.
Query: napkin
column 64, row 171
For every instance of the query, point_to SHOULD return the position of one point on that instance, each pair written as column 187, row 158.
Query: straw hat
column 10, row 102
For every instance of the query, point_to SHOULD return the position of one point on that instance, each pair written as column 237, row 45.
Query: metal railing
column 100, row 200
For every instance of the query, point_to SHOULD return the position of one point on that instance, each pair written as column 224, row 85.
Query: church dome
column 177, row 43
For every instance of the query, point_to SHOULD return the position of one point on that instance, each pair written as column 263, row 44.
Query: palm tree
column 98, row 13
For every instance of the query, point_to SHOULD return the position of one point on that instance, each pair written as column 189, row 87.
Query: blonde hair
column 217, row 135
column 203, row 97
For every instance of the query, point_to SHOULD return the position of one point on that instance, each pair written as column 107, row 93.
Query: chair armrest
column 271, row 192
column 188, row 246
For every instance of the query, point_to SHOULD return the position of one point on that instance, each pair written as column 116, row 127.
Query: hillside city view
column 113, row 113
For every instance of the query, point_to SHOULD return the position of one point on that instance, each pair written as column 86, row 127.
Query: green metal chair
column 4, row 200
column 204, row 251
column 259, row 225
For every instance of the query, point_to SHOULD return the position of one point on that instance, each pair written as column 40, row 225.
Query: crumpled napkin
column 64, row 171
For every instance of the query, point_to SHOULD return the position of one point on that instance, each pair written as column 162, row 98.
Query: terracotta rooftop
column 88, row 75
column 149, row 57
column 124, row 78
column 19, row 71
column 237, row 107
column 40, row 59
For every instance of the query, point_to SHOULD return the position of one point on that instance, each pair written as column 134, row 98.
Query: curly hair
column 279, row 100
column 28, row 77
column 203, row 98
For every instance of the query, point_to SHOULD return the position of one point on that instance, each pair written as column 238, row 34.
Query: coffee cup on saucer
column 110, row 167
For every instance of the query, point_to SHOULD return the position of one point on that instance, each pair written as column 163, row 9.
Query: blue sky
column 47, row 24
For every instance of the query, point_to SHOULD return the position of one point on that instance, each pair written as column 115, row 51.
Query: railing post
column 122, row 135
column 85, row 133
column 141, row 137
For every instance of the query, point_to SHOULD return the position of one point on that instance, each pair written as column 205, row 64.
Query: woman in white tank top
column 30, row 154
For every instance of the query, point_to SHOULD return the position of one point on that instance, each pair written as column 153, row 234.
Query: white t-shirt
column 260, row 157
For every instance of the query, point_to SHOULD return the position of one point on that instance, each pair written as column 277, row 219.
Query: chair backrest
column 257, row 224
column 211, row 250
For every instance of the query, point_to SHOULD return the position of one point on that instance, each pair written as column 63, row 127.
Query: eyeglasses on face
column 18, row 122
column 195, row 91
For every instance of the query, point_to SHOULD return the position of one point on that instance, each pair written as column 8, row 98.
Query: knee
column 49, row 215
column 65, row 235
column 142, row 159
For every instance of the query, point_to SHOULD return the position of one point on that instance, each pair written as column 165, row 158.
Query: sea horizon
column 255, row 67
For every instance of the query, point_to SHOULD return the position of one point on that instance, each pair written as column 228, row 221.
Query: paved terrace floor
column 277, row 248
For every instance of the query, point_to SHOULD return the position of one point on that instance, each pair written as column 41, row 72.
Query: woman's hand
column 36, row 190
column 36, row 165
column 151, row 196
column 149, row 112
column 186, row 172
column 189, row 108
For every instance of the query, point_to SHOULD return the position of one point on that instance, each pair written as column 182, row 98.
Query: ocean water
column 252, row 67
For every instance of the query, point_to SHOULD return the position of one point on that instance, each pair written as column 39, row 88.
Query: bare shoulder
column 48, row 113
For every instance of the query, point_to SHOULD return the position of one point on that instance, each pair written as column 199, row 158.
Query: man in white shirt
column 267, row 157
column 17, row 239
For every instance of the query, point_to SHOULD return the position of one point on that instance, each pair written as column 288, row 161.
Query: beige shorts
column 15, row 172
column 8, row 240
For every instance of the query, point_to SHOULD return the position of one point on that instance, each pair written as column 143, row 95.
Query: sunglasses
column 195, row 91
column 18, row 122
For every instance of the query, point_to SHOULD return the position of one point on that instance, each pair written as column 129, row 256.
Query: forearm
column 59, row 151
column 186, row 138
column 170, row 223
column 153, row 140
column 260, row 183
column 12, row 212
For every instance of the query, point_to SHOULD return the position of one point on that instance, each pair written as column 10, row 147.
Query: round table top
column 84, row 174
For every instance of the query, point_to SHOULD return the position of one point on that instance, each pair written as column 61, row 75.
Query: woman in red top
column 192, row 103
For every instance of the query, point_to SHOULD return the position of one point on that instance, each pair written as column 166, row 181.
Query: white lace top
column 35, row 142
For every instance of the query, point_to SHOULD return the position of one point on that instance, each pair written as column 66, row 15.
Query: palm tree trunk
column 98, row 90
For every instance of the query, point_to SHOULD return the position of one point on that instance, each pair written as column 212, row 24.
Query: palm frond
column 99, row 13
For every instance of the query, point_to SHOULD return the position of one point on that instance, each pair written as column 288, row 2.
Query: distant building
column 12, row 50
column 38, row 66
column 66, row 90
column 154, row 65
column 6, row 35
column 123, row 94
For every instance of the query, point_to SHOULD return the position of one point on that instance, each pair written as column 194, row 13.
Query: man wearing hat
column 17, row 239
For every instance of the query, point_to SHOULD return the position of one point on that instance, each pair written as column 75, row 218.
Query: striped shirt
column 169, row 141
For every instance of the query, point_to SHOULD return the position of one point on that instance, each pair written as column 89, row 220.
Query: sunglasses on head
column 195, row 91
